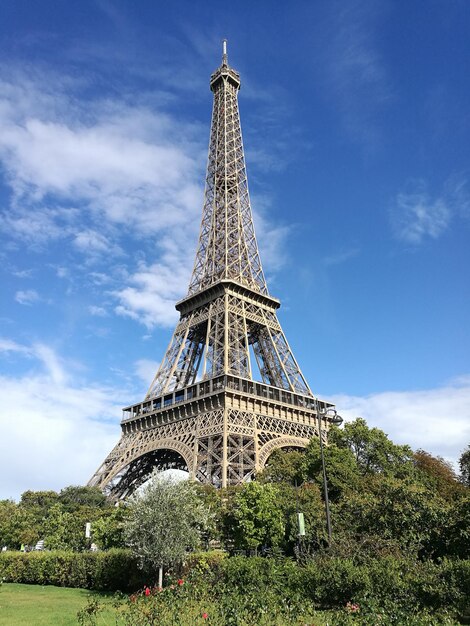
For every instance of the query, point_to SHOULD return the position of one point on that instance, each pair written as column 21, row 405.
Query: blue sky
column 356, row 123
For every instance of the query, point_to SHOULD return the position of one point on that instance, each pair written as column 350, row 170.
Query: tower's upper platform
column 225, row 71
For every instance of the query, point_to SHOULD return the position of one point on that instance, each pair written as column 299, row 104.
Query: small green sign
column 301, row 524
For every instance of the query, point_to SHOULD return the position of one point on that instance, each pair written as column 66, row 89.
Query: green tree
column 305, row 498
column 400, row 512
column 108, row 530
column 39, row 500
column 285, row 466
column 166, row 519
column 437, row 473
column 257, row 517
column 373, row 450
column 457, row 531
column 17, row 525
column 464, row 464
column 214, row 500
column 75, row 497
column 341, row 468
column 64, row 530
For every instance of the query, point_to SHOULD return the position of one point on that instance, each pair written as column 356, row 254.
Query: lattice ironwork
column 204, row 412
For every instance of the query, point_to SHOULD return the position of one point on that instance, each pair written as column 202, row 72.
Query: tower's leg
column 193, row 469
column 224, row 452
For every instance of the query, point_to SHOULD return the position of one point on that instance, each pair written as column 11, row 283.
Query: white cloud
column 55, row 432
column 92, row 242
column 23, row 273
column 271, row 239
column 416, row 215
column 97, row 311
column 150, row 298
column 63, row 272
column 121, row 164
column 28, row 297
column 146, row 370
column 109, row 178
column 457, row 190
column 437, row 420
column 153, row 290
column 7, row 345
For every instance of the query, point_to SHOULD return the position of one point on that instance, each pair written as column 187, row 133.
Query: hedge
column 329, row 582
column 113, row 570
column 409, row 584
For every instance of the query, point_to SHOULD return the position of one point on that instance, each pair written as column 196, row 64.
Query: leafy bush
column 106, row 571
column 204, row 562
column 189, row 602
column 394, row 584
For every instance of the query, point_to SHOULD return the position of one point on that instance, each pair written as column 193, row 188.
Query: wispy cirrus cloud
column 108, row 177
column 416, row 215
column 127, row 164
column 352, row 66
column 151, row 293
column 27, row 297
column 340, row 257
column 146, row 369
column 97, row 311
column 10, row 346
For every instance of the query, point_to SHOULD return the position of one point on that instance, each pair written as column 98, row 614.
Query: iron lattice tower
column 205, row 411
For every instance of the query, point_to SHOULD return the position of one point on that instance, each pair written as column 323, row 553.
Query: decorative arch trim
column 279, row 442
column 151, row 446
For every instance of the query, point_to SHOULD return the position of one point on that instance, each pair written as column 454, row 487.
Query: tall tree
column 257, row 517
column 437, row 473
column 373, row 450
column 76, row 496
column 341, row 468
column 464, row 464
column 166, row 519
column 17, row 525
column 285, row 466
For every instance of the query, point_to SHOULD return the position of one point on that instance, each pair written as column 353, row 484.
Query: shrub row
column 402, row 583
column 330, row 583
column 105, row 571
column 326, row 582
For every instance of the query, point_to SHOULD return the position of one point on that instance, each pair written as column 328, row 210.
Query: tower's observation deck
column 228, row 391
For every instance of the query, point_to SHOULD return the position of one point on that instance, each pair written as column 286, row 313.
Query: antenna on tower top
column 224, row 52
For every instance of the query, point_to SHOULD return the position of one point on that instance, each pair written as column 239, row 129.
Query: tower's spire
column 224, row 52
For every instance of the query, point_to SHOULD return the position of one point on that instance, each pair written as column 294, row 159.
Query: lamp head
column 333, row 417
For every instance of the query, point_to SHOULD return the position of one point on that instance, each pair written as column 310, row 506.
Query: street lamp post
column 330, row 415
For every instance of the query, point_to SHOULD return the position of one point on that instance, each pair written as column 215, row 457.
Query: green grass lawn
column 33, row 605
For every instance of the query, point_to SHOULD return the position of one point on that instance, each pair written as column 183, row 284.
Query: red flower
column 180, row 581
column 204, row 616
column 147, row 591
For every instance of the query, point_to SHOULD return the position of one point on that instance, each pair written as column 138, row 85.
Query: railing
column 214, row 385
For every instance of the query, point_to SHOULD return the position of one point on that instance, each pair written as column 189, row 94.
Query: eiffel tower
column 229, row 391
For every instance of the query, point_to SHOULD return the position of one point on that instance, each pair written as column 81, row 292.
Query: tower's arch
column 265, row 452
column 133, row 471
